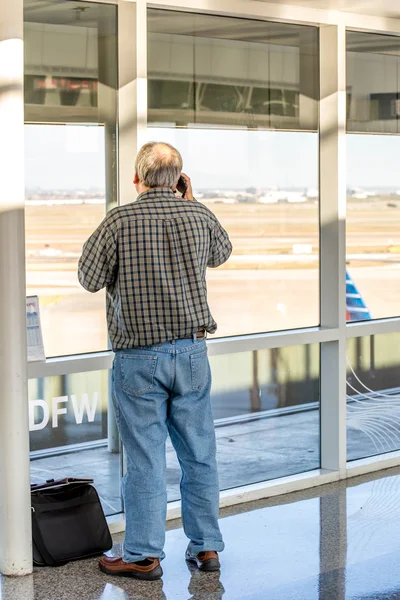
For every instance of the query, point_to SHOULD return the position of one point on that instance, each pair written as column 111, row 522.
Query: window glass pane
column 373, row 82
column 257, row 399
column 373, row 401
column 70, row 158
column 266, row 410
column 64, row 206
column 263, row 186
column 70, row 61
column 68, row 433
column 231, row 72
column 373, row 227
column 216, row 85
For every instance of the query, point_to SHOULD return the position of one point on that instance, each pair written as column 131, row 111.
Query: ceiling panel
column 81, row 12
column 386, row 8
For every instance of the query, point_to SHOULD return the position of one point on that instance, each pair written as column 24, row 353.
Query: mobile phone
column 182, row 186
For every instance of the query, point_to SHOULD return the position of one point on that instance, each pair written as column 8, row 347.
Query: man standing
column 152, row 257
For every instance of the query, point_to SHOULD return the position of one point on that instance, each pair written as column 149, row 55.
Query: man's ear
column 136, row 179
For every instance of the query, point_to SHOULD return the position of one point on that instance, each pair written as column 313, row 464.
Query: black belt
column 199, row 335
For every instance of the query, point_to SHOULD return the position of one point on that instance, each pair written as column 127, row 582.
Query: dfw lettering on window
column 41, row 411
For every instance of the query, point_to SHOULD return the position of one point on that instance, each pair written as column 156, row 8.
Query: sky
column 62, row 157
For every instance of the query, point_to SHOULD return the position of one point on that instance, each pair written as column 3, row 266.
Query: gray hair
column 158, row 164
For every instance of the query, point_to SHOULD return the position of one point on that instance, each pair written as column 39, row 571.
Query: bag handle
column 53, row 483
column 37, row 536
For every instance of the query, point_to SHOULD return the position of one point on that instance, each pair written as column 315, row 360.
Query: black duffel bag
column 68, row 522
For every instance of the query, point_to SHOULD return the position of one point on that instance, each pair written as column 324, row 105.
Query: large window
column 373, row 179
column 239, row 99
column 373, row 226
column 70, row 173
column 65, row 202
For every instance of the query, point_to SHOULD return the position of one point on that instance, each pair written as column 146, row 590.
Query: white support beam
column 132, row 116
column 132, row 93
column 15, row 510
column 333, row 244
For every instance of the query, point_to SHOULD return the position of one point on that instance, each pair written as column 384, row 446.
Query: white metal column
column 15, row 512
column 132, row 91
column 132, row 97
column 333, row 244
column 107, row 58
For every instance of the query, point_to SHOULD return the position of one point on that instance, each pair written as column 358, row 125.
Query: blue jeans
column 160, row 390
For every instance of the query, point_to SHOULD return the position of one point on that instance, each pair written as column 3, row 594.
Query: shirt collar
column 158, row 192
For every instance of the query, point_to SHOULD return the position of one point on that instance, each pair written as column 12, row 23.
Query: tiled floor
column 249, row 452
column 330, row 543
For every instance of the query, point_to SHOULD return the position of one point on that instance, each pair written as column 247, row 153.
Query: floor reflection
column 330, row 543
column 150, row 591
column 202, row 586
column 333, row 544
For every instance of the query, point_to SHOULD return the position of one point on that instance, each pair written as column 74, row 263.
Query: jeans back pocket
column 137, row 373
column 199, row 367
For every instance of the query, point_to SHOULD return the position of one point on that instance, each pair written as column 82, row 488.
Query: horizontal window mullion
column 374, row 327
column 70, row 364
column 264, row 341
column 103, row 360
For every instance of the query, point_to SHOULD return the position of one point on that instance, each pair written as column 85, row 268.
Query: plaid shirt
column 152, row 256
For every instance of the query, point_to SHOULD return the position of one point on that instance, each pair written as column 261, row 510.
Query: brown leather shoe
column 206, row 561
column 149, row 569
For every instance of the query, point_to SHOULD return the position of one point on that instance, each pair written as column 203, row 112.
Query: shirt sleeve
column 98, row 264
column 220, row 248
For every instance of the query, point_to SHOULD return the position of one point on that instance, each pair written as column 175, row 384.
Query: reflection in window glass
column 263, row 186
column 373, row 82
column 373, row 401
column 233, row 72
column 70, row 58
column 266, row 410
column 68, row 433
column 373, row 227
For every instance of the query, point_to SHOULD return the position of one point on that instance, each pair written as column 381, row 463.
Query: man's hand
column 189, row 192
